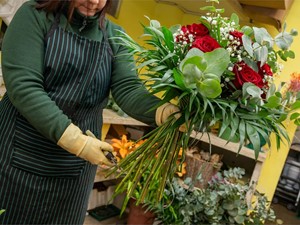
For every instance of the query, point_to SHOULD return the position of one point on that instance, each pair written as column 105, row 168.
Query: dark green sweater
column 22, row 63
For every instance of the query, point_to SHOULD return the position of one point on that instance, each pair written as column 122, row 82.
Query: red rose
column 264, row 70
column 206, row 43
column 238, row 35
column 198, row 30
column 244, row 73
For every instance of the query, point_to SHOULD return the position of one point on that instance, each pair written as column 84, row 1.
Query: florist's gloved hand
column 164, row 111
column 85, row 147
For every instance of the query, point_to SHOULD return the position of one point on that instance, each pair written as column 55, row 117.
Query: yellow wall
column 276, row 159
column 132, row 14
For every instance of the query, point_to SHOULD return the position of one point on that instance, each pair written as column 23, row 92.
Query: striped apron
column 40, row 183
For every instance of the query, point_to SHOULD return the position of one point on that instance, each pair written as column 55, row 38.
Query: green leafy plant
column 220, row 75
column 2, row 211
column 222, row 202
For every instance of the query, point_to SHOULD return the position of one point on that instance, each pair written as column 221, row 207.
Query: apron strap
column 54, row 26
column 107, row 42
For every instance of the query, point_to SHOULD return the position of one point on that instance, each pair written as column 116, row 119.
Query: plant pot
column 196, row 165
column 138, row 214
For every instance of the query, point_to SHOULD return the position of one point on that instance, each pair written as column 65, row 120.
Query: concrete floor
column 287, row 217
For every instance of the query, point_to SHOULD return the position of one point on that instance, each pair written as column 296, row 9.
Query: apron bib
column 77, row 77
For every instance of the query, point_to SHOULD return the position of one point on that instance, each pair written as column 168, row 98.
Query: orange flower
column 181, row 169
column 139, row 143
column 295, row 82
column 122, row 147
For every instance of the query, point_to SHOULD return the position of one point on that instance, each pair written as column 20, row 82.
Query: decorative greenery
column 220, row 75
column 222, row 202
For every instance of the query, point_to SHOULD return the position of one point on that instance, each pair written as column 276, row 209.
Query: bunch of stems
column 147, row 170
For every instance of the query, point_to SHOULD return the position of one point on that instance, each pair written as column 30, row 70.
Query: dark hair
column 59, row 5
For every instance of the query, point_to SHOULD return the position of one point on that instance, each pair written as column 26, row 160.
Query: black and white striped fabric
column 40, row 183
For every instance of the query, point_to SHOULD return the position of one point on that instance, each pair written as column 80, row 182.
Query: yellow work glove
column 164, row 111
column 85, row 147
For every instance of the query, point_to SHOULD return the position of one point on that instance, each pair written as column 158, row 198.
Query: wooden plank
column 111, row 117
column 276, row 4
column 230, row 146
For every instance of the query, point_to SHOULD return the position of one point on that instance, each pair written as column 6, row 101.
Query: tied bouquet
column 221, row 76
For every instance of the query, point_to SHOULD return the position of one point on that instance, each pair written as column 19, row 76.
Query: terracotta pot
column 138, row 214
column 196, row 166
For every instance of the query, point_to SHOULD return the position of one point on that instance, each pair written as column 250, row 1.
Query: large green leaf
column 169, row 40
column 197, row 61
column 260, row 53
column 217, row 61
column 234, row 124
column 273, row 102
column 226, row 135
column 284, row 40
column 262, row 36
column 211, row 76
column 254, row 138
column 179, row 79
column 295, row 105
column 247, row 43
column 252, row 90
column 242, row 133
column 210, row 88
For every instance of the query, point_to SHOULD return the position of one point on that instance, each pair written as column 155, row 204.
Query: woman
column 59, row 64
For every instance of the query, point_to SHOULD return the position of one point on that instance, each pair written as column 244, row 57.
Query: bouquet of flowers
column 220, row 75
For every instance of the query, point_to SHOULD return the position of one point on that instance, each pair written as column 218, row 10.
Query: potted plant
column 223, row 201
column 201, row 162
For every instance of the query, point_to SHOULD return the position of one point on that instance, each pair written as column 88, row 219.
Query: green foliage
column 2, row 211
column 209, row 88
column 195, row 79
column 222, row 202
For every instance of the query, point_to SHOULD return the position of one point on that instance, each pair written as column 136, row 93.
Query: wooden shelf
column 295, row 148
column 101, row 175
column 228, row 146
column 111, row 117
